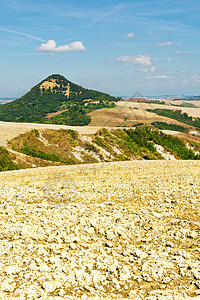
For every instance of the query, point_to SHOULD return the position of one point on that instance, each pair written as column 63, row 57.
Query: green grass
column 41, row 154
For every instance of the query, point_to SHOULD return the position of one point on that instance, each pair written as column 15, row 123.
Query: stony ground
column 127, row 230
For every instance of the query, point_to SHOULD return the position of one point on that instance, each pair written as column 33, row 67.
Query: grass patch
column 41, row 154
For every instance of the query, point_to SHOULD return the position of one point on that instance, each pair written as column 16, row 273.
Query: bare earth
column 127, row 230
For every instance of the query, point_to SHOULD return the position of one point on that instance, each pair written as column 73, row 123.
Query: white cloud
column 147, row 70
column 130, row 35
column 141, row 60
column 178, row 52
column 51, row 46
column 159, row 77
column 169, row 59
column 168, row 43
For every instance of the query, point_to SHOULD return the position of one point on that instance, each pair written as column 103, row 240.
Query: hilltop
column 190, row 98
column 56, row 100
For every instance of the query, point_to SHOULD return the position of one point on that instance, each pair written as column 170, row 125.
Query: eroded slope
column 45, row 147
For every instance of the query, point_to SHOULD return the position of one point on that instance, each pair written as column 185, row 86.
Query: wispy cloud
column 51, row 46
column 147, row 70
column 168, row 43
column 22, row 33
column 153, row 34
column 106, row 14
column 159, row 77
column 65, row 9
column 142, row 60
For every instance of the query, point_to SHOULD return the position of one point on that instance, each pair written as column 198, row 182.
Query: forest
column 177, row 115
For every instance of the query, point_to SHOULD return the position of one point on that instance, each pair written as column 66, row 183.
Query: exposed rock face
column 127, row 230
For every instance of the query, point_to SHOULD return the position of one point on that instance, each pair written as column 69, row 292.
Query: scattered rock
column 110, row 240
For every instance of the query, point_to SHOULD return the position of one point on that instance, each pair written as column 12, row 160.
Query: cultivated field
column 178, row 102
column 127, row 230
column 191, row 111
column 125, row 114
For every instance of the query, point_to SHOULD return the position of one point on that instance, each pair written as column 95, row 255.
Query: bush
column 6, row 163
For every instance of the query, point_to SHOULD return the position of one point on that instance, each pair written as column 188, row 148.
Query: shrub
column 6, row 163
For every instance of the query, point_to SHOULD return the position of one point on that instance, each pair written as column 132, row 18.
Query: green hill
column 56, row 100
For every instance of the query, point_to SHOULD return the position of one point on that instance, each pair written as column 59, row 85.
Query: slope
column 47, row 147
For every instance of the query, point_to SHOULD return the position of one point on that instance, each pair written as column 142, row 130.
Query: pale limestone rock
column 49, row 286
column 13, row 270
column 7, row 286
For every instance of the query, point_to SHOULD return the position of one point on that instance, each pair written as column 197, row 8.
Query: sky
column 119, row 47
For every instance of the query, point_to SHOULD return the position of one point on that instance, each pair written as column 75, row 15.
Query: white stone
column 7, row 286
column 13, row 270
column 49, row 286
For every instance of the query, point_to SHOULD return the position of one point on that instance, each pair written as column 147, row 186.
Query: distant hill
column 189, row 98
column 56, row 100
column 4, row 100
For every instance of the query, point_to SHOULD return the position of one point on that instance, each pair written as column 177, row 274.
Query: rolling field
column 191, row 111
column 129, row 113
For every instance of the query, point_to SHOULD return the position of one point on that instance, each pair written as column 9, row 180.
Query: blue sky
column 117, row 47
